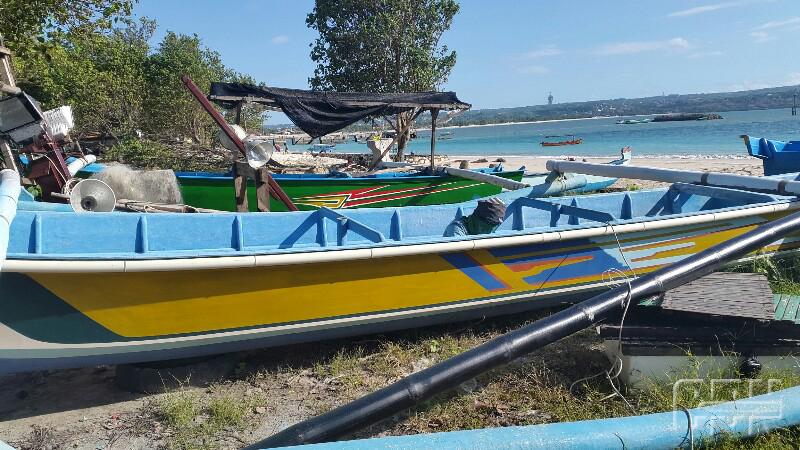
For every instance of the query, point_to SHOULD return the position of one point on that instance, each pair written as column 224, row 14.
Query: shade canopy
column 322, row 112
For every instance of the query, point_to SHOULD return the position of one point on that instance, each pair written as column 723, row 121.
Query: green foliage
column 170, row 110
column 382, row 46
column 194, row 421
column 150, row 154
column 178, row 409
column 101, row 75
column 119, row 86
column 30, row 26
column 226, row 411
column 142, row 153
column 783, row 272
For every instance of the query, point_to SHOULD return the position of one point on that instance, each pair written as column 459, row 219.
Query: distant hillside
column 779, row 97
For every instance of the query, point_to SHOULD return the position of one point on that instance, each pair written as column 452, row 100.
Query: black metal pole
column 499, row 351
column 434, row 115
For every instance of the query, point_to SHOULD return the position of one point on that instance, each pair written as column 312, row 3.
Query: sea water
column 603, row 137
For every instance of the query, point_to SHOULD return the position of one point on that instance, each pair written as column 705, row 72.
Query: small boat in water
column 571, row 141
column 777, row 157
column 322, row 148
column 633, row 121
column 445, row 135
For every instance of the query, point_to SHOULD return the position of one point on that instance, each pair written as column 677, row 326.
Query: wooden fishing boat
column 633, row 121
column 777, row 157
column 160, row 286
column 571, row 141
column 338, row 190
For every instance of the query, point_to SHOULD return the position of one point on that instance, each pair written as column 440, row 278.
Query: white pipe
column 485, row 178
column 327, row 256
column 679, row 176
column 80, row 163
column 9, row 196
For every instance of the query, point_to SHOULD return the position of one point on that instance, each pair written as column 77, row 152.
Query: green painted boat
column 337, row 190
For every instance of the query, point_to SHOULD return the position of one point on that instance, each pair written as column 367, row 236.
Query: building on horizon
column 550, row 99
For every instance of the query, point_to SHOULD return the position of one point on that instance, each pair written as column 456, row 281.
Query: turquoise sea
column 603, row 137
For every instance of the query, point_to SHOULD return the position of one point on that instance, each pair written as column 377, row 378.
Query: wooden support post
column 7, row 83
column 238, row 113
column 434, row 115
column 242, row 172
column 8, row 156
column 240, row 188
column 262, row 189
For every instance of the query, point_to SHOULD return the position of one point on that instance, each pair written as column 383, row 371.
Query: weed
column 178, row 409
column 226, row 411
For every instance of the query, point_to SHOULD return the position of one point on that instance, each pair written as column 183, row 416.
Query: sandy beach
column 741, row 166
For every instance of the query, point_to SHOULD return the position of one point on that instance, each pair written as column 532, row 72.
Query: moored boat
column 163, row 286
column 571, row 141
column 633, row 121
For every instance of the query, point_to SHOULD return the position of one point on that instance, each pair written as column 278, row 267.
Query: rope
column 617, row 366
column 691, row 428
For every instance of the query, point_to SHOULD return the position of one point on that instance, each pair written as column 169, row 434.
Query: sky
column 513, row 53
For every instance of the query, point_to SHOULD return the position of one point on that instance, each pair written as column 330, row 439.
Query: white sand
column 742, row 166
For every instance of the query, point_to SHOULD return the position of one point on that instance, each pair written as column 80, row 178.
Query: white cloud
column 698, row 55
column 702, row 9
column 747, row 86
column 628, row 48
column 760, row 37
column 533, row 70
column 280, row 39
column 779, row 24
column 793, row 78
column 542, row 52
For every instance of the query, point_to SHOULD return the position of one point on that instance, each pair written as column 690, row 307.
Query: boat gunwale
column 31, row 264
column 329, row 177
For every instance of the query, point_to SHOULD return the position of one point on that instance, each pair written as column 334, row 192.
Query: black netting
column 319, row 113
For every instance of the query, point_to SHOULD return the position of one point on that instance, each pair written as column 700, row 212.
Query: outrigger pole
column 442, row 377
column 718, row 179
column 195, row 91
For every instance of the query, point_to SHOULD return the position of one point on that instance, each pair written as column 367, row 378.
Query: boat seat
column 574, row 212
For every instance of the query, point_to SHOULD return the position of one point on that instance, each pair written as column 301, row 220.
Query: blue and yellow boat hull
column 82, row 316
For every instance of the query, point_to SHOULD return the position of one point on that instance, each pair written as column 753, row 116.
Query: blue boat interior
column 120, row 235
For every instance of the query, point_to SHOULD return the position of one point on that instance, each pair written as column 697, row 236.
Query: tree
column 171, row 111
column 29, row 25
column 118, row 85
column 382, row 46
column 99, row 73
